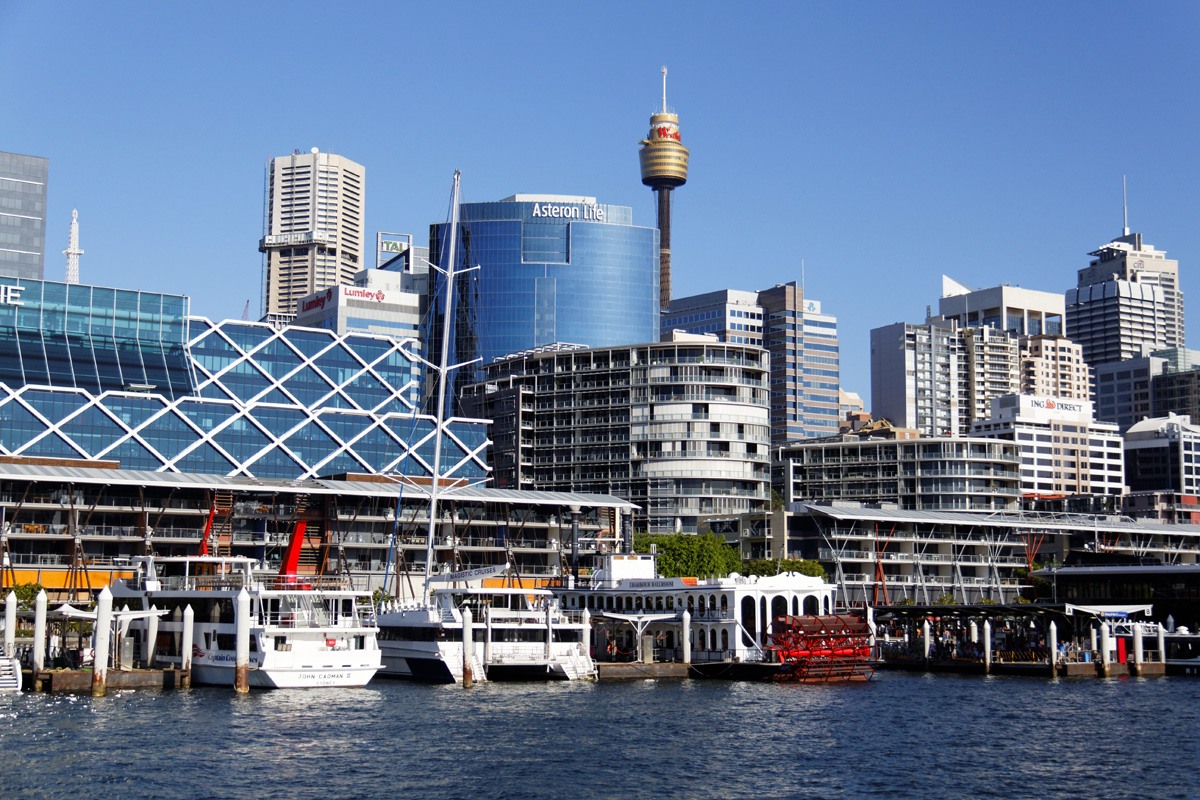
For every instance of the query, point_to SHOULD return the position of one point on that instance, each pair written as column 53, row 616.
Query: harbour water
column 900, row 735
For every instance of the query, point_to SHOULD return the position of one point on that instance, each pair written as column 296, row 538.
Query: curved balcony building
column 681, row 429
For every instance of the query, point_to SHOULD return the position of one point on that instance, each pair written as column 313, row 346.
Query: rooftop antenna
column 1124, row 207
column 664, row 72
column 802, row 277
column 73, row 252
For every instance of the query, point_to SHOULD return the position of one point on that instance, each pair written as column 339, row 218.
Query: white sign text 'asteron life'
column 592, row 213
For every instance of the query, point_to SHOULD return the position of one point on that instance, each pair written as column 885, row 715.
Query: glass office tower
column 552, row 269
column 23, row 215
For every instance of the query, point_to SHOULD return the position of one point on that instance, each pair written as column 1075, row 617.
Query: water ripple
column 897, row 736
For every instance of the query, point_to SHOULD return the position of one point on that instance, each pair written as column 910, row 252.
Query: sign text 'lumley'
column 589, row 212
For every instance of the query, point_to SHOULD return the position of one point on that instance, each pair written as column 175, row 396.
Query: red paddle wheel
column 826, row 648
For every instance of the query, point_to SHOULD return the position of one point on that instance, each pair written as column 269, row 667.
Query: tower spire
column 1124, row 208
column 73, row 252
column 664, row 162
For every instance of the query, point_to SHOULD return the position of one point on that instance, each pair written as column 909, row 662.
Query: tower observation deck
column 664, row 162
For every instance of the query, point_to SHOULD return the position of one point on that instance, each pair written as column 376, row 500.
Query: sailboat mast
column 442, row 370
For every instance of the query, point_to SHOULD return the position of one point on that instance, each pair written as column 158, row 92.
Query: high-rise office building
column 551, row 269
column 803, row 341
column 1127, row 302
column 1021, row 312
column 23, row 215
column 314, row 228
column 1064, row 451
column 1123, row 390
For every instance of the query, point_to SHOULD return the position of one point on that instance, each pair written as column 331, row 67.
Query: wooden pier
column 639, row 671
column 79, row 681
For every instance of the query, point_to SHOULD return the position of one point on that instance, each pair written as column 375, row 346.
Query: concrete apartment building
column 918, row 474
column 314, row 235
column 1162, row 468
column 679, row 428
column 939, row 378
column 1054, row 366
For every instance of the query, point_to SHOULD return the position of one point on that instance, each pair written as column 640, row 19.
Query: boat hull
column 349, row 677
column 422, row 669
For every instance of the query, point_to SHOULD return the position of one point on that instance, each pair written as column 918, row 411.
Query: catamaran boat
column 304, row 630
column 513, row 633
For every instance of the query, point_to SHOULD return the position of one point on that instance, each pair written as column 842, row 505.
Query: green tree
column 686, row 554
column 26, row 594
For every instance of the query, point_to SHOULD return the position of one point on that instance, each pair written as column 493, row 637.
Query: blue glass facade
column 259, row 402
column 94, row 338
column 551, row 269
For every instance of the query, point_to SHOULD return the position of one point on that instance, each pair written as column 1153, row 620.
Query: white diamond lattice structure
column 268, row 403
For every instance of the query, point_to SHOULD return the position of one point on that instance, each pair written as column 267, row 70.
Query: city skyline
column 882, row 145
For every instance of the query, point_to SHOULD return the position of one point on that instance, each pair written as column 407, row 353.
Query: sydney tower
column 664, row 162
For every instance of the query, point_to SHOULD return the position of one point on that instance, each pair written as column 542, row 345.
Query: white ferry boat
column 304, row 630
column 735, row 624
column 515, row 634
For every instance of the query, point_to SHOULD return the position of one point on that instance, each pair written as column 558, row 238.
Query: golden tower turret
column 664, row 162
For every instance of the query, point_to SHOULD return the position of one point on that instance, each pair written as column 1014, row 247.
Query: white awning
column 635, row 619
column 1109, row 611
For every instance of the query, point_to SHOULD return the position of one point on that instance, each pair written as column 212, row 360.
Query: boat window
column 700, row 607
column 779, row 606
column 228, row 641
column 724, row 639
column 712, row 640
column 712, row 602
column 812, row 605
column 749, row 622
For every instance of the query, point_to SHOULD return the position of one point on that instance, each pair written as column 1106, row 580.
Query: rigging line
column 427, row 325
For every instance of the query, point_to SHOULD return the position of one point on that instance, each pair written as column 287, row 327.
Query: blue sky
column 881, row 143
